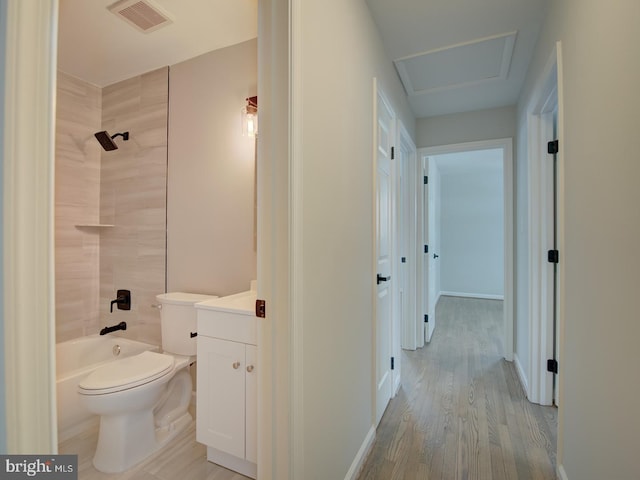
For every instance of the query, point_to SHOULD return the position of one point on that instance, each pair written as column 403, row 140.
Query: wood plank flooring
column 183, row 459
column 461, row 413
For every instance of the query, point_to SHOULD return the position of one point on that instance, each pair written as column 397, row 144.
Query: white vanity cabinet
column 226, row 412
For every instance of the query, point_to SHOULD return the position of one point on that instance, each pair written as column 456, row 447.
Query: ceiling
column 459, row 55
column 98, row 47
column 451, row 55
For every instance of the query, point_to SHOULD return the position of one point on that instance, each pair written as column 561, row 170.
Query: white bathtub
column 75, row 359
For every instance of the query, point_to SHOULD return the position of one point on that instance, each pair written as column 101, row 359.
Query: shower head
column 107, row 141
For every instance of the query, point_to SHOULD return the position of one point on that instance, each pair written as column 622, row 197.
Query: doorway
column 432, row 287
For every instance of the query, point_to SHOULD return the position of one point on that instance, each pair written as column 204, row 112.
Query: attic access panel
column 455, row 66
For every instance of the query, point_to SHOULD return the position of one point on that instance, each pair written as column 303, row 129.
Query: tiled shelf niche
column 94, row 225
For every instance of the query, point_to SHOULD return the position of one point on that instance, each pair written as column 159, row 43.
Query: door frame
column 539, row 113
column 28, row 130
column 506, row 144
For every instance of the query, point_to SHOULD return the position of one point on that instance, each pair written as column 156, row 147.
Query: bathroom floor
column 184, row 458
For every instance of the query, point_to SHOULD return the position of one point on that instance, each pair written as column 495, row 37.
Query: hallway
column 461, row 412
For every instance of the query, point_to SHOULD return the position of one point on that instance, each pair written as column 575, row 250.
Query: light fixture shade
column 250, row 117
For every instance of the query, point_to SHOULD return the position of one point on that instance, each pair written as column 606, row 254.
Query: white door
column 384, row 249
column 400, row 273
column 432, row 257
column 406, row 240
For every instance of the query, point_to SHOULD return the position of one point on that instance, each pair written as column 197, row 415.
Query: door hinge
column 261, row 308
column 426, row 249
column 553, row 256
column 553, row 147
column 393, row 153
column 393, row 365
column 403, row 259
column 425, row 179
column 552, row 365
column 426, row 319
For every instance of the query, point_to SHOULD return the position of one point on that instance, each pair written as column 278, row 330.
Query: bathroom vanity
column 226, row 413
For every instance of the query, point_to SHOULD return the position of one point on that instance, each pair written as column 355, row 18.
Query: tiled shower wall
column 125, row 188
column 133, row 192
column 77, row 202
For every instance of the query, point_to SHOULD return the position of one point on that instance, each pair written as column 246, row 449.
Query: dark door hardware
column 261, row 308
column 552, row 366
column 120, row 326
column 380, row 279
column 435, row 255
column 123, row 300
column 193, row 334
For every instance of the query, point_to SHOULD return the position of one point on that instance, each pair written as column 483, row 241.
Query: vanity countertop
column 243, row 303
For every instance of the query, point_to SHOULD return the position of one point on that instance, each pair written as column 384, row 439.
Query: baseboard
column 561, row 473
column 521, row 375
column 472, row 295
column 362, row 455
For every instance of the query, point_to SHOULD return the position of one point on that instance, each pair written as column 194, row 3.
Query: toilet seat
column 127, row 373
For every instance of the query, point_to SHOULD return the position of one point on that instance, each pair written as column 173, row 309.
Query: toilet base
column 118, row 456
column 126, row 439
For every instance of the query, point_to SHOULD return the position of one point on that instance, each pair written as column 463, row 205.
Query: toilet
column 143, row 400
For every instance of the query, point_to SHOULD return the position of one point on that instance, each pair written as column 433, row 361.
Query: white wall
column 211, row 180
column 340, row 54
column 466, row 127
column 472, row 229
column 599, row 422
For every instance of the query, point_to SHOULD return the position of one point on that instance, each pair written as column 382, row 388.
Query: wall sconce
column 250, row 117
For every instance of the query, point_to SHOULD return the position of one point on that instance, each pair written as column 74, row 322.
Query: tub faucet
column 120, row 326
column 123, row 300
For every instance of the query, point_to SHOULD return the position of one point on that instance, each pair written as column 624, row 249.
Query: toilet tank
column 178, row 321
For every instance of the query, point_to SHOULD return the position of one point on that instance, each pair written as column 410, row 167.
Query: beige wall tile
column 77, row 199
column 133, row 198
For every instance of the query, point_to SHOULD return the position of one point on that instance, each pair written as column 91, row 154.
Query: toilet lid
column 127, row 373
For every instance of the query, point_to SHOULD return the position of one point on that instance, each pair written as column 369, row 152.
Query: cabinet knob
column 250, row 368
column 236, row 365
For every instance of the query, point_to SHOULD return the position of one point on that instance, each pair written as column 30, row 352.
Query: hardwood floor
column 183, row 459
column 461, row 412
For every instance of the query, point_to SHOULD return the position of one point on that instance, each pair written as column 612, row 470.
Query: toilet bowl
column 143, row 400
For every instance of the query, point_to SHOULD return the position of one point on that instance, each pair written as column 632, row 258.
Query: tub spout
column 120, row 326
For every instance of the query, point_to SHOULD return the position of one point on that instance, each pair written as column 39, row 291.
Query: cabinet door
column 251, row 383
column 220, row 420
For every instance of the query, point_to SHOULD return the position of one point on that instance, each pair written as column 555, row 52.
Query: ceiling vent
column 142, row 14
